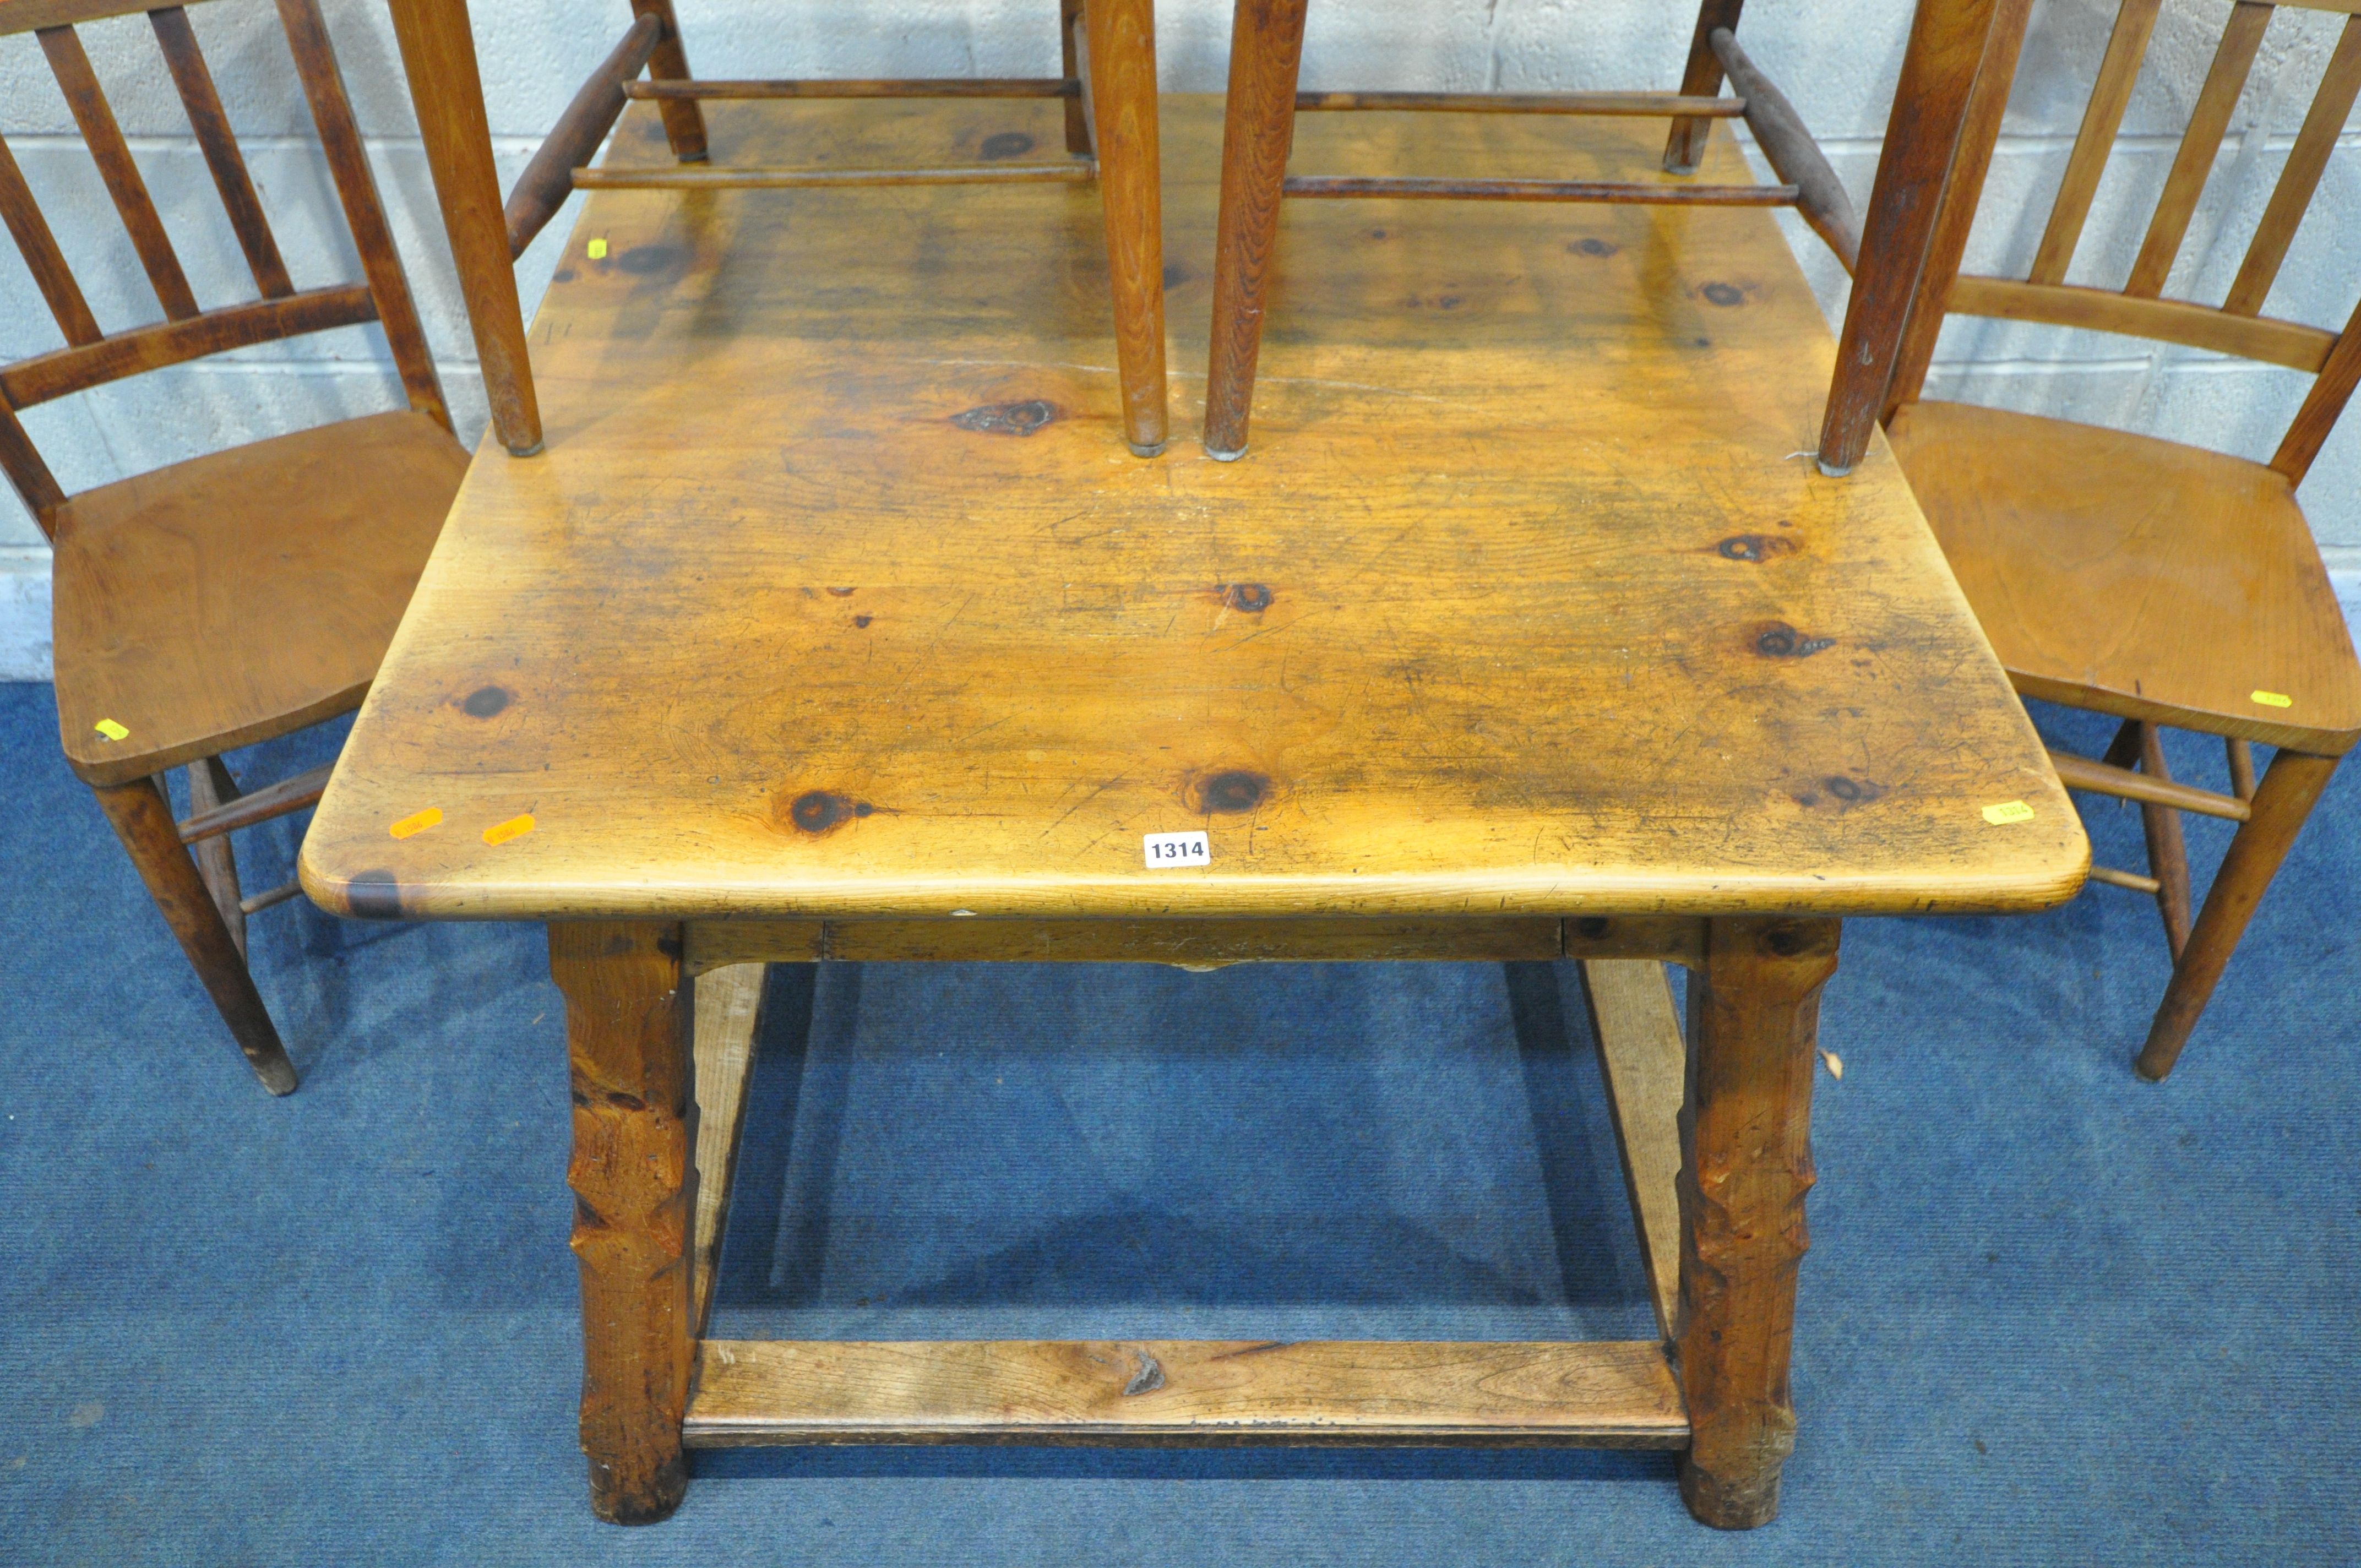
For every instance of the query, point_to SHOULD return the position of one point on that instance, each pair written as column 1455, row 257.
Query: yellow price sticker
column 111, row 729
column 416, row 822
column 514, row 827
column 2008, row 811
column 597, row 250
column 2273, row 699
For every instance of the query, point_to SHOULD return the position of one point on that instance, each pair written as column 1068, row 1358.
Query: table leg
column 628, row 1023
column 1746, row 1163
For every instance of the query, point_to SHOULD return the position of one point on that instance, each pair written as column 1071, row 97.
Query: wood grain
column 1258, row 132
column 2212, row 585
column 1700, row 78
column 1948, row 39
column 257, row 806
column 211, row 788
column 84, row 366
column 32, row 476
column 71, row 65
column 438, row 57
column 1793, row 156
column 219, row 143
column 761, row 179
column 1649, row 105
column 2323, row 406
column 718, row 88
column 2192, row 164
column 25, row 16
column 2080, row 773
column 2168, row 854
column 142, row 819
column 2291, row 343
column 348, row 166
column 2102, row 117
column 242, row 595
column 1754, row 1014
column 1378, row 678
column 548, row 180
column 628, row 1016
column 1955, row 215
column 1120, row 57
column 2290, row 787
column 1182, row 1392
column 728, row 1019
column 2299, row 177
column 1645, row 1063
column 1401, row 186
column 684, row 123
column 39, row 246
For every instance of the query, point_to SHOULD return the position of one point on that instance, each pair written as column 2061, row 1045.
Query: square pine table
column 836, row 623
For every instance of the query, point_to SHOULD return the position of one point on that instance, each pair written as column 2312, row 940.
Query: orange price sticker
column 111, row 729
column 514, row 827
column 2273, row 699
column 416, row 822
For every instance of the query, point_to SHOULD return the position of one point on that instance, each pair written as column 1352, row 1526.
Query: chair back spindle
column 2140, row 307
column 93, row 356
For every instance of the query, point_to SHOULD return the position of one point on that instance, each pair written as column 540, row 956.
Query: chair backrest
column 92, row 356
column 2234, row 326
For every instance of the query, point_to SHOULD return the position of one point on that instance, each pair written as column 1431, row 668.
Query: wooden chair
column 2159, row 583
column 1266, row 54
column 237, row 597
column 1108, row 84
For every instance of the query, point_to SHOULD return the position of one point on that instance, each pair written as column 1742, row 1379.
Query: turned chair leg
column 2168, row 852
column 629, row 1025
column 1266, row 57
column 1120, row 57
column 211, row 785
column 1700, row 79
column 143, row 820
column 2289, row 790
column 1746, row 1164
column 684, row 120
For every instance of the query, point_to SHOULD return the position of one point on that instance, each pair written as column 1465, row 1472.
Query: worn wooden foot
column 1746, row 1163
column 1266, row 57
column 142, row 820
column 628, row 1017
column 2289, row 789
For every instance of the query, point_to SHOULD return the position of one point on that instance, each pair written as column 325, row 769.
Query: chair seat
column 239, row 595
column 2138, row 576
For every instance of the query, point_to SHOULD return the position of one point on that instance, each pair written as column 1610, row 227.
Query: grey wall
column 1838, row 59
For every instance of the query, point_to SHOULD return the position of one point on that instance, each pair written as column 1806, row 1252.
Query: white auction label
column 1166, row 850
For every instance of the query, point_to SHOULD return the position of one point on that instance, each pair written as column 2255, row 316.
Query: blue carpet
column 2052, row 1314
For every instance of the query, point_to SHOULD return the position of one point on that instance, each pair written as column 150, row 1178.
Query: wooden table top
column 836, row 592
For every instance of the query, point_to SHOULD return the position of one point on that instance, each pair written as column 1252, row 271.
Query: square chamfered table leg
column 1746, row 1164
column 629, row 1023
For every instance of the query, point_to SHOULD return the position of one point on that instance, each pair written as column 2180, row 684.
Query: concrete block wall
column 1837, row 60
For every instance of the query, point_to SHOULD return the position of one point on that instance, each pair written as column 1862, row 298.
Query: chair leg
column 142, row 818
column 211, row 785
column 2167, row 853
column 684, row 121
column 2289, row 789
column 1700, row 79
column 1121, row 60
column 1266, row 57
column 1078, row 125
